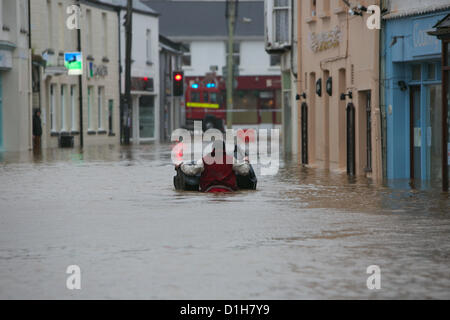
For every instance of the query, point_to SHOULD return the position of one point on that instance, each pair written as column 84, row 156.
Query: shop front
column 414, row 100
column 144, row 122
column 1, row 113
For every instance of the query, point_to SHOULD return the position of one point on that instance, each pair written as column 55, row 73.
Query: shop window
column 205, row 97
column 52, row 108
column 63, row 108
column 213, row 97
column 89, row 113
column 148, row 46
column 416, row 72
column 72, row 108
column 101, row 91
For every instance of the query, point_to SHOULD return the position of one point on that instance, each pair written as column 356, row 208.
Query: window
column 110, row 117
column 89, row 108
column 281, row 21
column 431, row 71
column 8, row 13
column 275, row 60
column 213, row 97
column 72, row 108
column 205, row 97
column 313, row 8
column 100, row 107
column 187, row 55
column 52, row 108
column 88, row 32
column 63, row 108
column 49, row 24
column 416, row 72
column 149, row 46
column 61, row 30
column 105, row 33
column 23, row 16
column 195, row 97
column 236, row 53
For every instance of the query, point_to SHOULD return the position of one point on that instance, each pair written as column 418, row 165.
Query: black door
column 304, row 133
column 351, row 158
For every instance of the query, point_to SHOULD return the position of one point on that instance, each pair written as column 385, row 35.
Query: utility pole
column 127, row 99
column 231, row 17
column 80, row 87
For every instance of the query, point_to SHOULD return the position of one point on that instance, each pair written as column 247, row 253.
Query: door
column 146, row 117
column 369, row 131
column 287, row 122
column 351, row 141
column 304, row 133
column 1, row 113
column 266, row 106
column 415, row 134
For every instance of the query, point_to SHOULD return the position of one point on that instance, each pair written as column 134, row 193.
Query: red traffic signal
column 178, row 84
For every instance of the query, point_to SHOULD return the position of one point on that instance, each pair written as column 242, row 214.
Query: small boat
column 183, row 182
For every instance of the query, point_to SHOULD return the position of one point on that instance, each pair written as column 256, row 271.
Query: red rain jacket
column 217, row 175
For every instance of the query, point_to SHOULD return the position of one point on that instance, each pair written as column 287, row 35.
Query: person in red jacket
column 218, row 170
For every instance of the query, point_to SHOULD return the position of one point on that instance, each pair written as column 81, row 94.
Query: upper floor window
column 186, row 55
column 275, row 60
column 105, row 34
column 236, row 53
column 278, row 30
column 148, row 46
column 313, row 8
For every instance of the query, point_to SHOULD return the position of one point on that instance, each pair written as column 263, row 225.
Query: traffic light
column 178, row 84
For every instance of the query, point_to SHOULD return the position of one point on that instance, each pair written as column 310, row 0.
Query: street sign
column 73, row 61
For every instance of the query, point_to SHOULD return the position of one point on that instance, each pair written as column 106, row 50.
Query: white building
column 145, row 115
column 202, row 28
column 15, row 80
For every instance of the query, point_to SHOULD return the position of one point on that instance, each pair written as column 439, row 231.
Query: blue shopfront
column 413, row 98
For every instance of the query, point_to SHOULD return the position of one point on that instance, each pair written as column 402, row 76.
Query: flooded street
column 304, row 234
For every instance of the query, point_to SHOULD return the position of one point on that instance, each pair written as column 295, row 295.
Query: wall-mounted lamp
column 300, row 96
column 394, row 40
column 349, row 95
column 402, row 85
column 319, row 87
column 329, row 86
column 354, row 12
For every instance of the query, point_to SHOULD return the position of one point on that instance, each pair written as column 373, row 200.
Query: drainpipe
column 382, row 98
column 120, row 73
column 30, row 81
column 80, row 88
column 292, row 39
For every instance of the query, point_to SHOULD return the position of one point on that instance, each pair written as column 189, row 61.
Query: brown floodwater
column 304, row 234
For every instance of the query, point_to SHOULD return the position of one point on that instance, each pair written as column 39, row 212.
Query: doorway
column 146, row 117
column 304, row 120
column 1, row 113
column 351, row 156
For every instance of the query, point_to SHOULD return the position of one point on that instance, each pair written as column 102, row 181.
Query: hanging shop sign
column 323, row 41
column 73, row 61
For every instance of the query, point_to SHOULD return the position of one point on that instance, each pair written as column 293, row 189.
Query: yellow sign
column 202, row 105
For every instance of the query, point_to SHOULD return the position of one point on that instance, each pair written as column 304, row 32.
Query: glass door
column 434, row 132
column 415, row 134
column 1, row 114
column 147, row 117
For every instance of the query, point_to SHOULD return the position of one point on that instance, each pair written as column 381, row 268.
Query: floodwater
column 304, row 234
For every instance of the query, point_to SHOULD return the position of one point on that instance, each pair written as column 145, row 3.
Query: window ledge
column 149, row 63
column 54, row 134
column 340, row 10
column 90, row 58
column 311, row 19
column 101, row 132
column 64, row 133
column 324, row 15
column 105, row 60
column 6, row 28
column 111, row 134
column 91, row 133
column 74, row 133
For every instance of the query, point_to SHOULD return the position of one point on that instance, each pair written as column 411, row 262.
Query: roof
column 137, row 6
column 396, row 14
column 207, row 18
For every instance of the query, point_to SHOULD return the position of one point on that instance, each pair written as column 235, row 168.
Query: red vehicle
column 205, row 102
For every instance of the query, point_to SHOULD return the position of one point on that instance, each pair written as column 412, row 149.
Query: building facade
column 412, row 84
column 203, row 32
column 281, row 42
column 15, row 77
column 171, row 114
column 339, row 116
column 144, row 115
column 91, row 114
